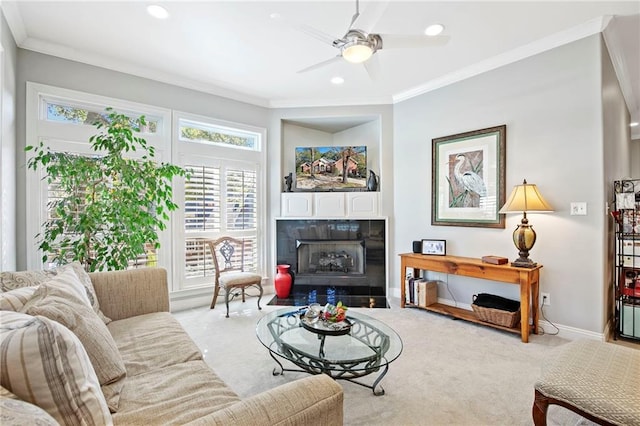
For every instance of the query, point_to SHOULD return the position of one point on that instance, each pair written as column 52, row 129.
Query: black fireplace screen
column 343, row 257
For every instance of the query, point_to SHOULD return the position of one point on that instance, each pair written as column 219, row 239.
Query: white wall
column 551, row 104
column 8, row 61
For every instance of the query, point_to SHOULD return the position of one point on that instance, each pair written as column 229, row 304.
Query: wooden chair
column 228, row 258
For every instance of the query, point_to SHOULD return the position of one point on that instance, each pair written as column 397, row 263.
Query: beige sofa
column 168, row 382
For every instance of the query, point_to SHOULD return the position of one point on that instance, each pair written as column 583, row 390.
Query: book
column 495, row 260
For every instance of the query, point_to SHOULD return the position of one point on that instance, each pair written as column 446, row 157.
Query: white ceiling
column 234, row 48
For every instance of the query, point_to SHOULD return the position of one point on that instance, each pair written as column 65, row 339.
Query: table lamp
column 525, row 198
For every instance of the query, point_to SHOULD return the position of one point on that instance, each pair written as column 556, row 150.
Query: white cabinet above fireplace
column 329, row 204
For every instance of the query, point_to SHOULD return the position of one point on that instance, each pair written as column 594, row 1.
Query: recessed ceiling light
column 433, row 30
column 158, row 12
column 633, row 124
column 337, row 80
column 275, row 15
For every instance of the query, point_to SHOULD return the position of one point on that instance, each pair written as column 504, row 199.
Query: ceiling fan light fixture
column 434, row 30
column 357, row 51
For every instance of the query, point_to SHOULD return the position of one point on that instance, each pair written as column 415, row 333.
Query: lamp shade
column 525, row 198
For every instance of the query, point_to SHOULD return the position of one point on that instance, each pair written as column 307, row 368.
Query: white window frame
column 68, row 137
column 187, row 152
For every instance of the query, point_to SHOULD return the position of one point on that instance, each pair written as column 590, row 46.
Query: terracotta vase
column 282, row 281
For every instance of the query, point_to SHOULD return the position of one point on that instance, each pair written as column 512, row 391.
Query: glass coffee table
column 362, row 346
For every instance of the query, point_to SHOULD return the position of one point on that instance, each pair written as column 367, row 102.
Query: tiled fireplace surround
column 334, row 259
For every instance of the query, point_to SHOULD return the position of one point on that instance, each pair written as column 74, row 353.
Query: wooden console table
column 527, row 278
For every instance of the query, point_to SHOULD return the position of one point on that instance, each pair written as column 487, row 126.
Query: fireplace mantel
column 330, row 204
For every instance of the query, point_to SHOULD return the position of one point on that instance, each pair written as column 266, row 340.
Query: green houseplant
column 110, row 207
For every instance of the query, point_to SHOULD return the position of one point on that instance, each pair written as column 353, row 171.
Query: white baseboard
column 564, row 331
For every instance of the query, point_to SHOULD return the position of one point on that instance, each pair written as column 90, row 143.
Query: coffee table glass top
column 369, row 346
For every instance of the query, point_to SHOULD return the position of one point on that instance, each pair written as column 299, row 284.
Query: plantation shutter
column 241, row 199
column 202, row 199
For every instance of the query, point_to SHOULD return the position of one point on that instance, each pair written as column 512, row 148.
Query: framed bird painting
column 468, row 178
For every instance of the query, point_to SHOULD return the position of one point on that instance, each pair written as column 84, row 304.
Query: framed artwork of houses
column 331, row 168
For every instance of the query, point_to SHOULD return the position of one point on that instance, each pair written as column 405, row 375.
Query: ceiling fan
column 359, row 44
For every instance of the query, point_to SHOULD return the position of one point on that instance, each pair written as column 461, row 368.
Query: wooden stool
column 599, row 381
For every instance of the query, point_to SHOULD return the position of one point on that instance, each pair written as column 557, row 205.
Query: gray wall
column 617, row 164
column 45, row 69
column 8, row 50
column 552, row 106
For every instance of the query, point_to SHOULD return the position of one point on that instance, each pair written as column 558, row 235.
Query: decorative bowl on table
column 333, row 322
column 335, row 313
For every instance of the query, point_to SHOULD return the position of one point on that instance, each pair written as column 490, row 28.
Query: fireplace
column 330, row 257
column 343, row 259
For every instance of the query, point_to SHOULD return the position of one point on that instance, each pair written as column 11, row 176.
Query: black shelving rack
column 626, row 214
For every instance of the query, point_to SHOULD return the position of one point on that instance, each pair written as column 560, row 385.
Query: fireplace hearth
column 334, row 259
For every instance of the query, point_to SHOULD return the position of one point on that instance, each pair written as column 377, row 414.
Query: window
column 58, row 111
column 62, row 119
column 222, row 196
column 193, row 131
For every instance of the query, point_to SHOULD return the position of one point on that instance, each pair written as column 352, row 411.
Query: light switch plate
column 578, row 209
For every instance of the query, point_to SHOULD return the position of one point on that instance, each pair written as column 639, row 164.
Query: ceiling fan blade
column 373, row 67
column 321, row 64
column 370, row 16
column 306, row 29
column 395, row 41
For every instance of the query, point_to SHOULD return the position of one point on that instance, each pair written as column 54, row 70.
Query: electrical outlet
column 578, row 209
column 546, row 299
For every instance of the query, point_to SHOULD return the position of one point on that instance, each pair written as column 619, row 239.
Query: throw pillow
column 45, row 364
column 61, row 299
column 14, row 300
column 13, row 280
column 16, row 412
column 85, row 279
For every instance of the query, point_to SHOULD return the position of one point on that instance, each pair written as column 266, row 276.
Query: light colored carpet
column 450, row 372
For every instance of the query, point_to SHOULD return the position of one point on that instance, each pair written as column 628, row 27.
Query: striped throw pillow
column 63, row 299
column 45, row 364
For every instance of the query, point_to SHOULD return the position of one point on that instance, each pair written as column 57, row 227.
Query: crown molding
column 591, row 27
column 305, row 103
column 14, row 20
column 625, row 72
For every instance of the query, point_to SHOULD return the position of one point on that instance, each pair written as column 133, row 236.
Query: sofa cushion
column 14, row 300
column 173, row 395
column 63, row 299
column 152, row 341
column 16, row 412
column 45, row 364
